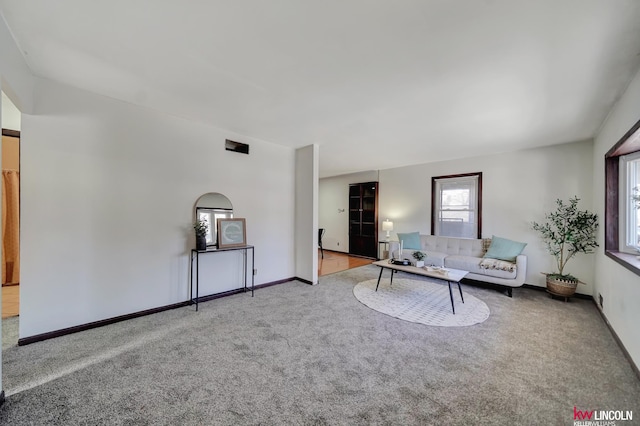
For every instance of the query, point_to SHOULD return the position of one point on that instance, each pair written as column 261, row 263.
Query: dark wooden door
column 363, row 219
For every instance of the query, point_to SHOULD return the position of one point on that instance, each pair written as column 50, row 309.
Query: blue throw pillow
column 410, row 241
column 504, row 249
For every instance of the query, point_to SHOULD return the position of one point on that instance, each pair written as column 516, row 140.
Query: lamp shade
column 387, row 225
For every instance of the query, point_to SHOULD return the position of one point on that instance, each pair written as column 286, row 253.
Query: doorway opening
column 334, row 261
column 10, row 221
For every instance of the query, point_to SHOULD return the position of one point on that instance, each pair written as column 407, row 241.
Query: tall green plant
column 568, row 231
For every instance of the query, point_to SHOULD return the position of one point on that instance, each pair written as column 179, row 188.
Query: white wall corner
column 306, row 213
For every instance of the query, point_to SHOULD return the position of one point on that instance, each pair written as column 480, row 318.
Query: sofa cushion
column 461, row 246
column 504, row 249
column 410, row 241
column 486, row 243
column 435, row 258
column 466, row 263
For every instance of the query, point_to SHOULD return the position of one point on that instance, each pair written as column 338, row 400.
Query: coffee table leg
column 391, row 281
column 451, row 296
column 460, row 288
column 380, row 276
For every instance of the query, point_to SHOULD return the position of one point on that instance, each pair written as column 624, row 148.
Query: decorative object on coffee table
column 232, row 233
column 419, row 257
column 567, row 232
column 201, row 227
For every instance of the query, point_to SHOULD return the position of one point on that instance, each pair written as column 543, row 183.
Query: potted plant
column 567, row 232
column 419, row 257
column 201, row 227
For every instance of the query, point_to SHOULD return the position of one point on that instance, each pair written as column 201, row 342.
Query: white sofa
column 467, row 254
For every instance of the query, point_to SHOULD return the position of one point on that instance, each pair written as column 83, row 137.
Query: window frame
column 629, row 163
column 628, row 144
column 435, row 209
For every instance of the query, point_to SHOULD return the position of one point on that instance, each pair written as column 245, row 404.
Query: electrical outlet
column 601, row 302
column 255, row 271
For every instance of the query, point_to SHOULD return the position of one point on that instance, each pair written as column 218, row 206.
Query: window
column 621, row 215
column 630, row 191
column 456, row 202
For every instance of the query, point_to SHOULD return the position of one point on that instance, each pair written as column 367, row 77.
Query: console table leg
column 244, row 268
column 197, row 280
column 191, row 281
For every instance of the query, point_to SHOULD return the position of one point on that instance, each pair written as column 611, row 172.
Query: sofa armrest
column 521, row 268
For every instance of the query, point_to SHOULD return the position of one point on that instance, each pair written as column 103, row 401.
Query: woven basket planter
column 561, row 287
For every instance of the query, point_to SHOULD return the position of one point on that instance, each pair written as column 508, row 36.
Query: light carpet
column 297, row 354
column 424, row 302
column 9, row 332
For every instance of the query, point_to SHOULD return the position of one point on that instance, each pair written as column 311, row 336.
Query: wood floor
column 336, row 262
column 10, row 300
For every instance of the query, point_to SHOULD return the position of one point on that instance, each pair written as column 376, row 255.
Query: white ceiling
column 376, row 83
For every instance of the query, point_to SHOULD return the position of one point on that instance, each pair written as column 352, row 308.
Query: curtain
column 10, row 227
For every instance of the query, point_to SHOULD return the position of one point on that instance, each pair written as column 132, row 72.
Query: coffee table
column 446, row 274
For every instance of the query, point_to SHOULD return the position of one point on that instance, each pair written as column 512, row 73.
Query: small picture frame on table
column 232, row 233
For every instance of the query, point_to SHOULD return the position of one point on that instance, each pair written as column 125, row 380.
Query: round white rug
column 424, row 302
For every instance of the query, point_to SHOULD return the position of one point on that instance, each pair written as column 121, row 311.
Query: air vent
column 242, row 148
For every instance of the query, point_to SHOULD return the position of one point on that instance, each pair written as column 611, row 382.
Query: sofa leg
column 510, row 292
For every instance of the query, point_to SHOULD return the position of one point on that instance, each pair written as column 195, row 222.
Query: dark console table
column 195, row 255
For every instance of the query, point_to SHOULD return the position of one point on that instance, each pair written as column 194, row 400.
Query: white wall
column 11, row 117
column 108, row 191
column 306, row 213
column 619, row 287
column 518, row 188
column 334, row 208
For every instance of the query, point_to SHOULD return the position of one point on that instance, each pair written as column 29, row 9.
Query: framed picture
column 232, row 232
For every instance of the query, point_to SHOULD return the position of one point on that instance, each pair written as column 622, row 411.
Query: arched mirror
column 211, row 207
